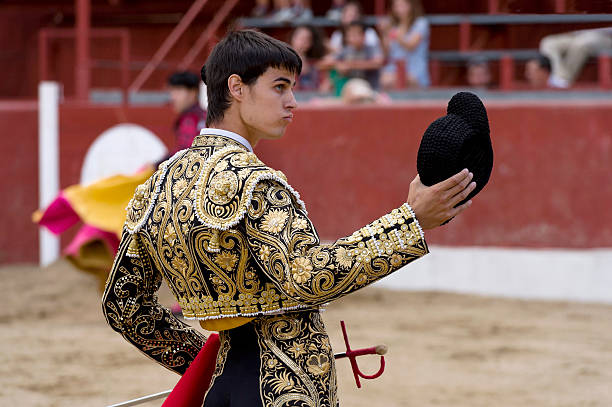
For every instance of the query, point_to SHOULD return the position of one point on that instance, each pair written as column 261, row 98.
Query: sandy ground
column 444, row 349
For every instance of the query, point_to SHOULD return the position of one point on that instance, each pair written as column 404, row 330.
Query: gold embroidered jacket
column 233, row 239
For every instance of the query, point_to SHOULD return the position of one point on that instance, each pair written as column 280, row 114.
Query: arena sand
column 444, row 349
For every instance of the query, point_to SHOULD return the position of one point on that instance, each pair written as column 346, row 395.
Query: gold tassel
column 132, row 250
column 213, row 244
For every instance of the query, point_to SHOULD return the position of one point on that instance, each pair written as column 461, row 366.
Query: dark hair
column 356, row 4
column 317, row 49
column 185, row 79
column 248, row 54
column 417, row 11
column 357, row 23
column 543, row 62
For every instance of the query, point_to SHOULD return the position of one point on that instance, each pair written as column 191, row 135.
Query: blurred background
column 90, row 90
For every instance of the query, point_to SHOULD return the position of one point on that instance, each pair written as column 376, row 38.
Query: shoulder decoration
column 225, row 187
column 145, row 196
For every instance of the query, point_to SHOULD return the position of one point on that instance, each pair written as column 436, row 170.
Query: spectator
column 335, row 11
column 537, row 72
column 307, row 41
column 478, row 73
column 406, row 38
column 184, row 90
column 351, row 12
column 283, row 11
column 357, row 59
column 302, row 11
column 569, row 51
column 261, row 9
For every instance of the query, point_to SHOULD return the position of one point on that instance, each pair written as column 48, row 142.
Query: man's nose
column 291, row 103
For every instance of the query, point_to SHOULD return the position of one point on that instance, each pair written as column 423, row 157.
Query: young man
column 184, row 89
column 234, row 242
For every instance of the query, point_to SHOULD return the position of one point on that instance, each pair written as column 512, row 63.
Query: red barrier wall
column 550, row 185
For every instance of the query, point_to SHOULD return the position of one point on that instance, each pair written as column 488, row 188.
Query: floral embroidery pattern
column 227, row 260
column 274, row 221
column 300, row 269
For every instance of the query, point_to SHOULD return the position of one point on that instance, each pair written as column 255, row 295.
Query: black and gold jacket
column 233, row 240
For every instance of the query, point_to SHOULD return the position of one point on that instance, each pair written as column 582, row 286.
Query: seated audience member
column 358, row 59
column 301, row 11
column 569, row 51
column 335, row 11
column 537, row 72
column 352, row 12
column 358, row 92
column 261, row 9
column 479, row 73
column 283, row 11
column 307, row 41
column 406, row 38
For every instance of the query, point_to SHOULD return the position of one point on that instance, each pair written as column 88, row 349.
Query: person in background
column 335, row 11
column 357, row 59
column 261, row 9
column 302, row 11
column 406, row 38
column 307, row 41
column 283, row 11
column 184, row 96
column 352, row 12
column 478, row 73
column 537, row 72
column 569, row 51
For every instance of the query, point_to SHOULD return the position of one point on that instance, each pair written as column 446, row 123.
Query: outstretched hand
column 435, row 205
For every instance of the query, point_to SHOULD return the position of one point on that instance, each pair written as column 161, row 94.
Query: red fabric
column 191, row 388
column 59, row 215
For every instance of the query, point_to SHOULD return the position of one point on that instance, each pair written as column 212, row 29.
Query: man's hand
column 435, row 205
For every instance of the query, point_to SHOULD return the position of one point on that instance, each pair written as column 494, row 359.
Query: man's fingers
column 456, row 211
column 453, row 181
column 462, row 194
column 460, row 186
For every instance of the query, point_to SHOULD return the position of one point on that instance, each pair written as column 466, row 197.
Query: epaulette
column 225, row 187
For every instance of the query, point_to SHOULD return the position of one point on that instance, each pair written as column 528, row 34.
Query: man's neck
column 235, row 127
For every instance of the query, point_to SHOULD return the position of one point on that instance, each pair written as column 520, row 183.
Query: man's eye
column 279, row 88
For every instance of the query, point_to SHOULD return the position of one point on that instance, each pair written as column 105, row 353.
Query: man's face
column 182, row 98
column 535, row 75
column 355, row 37
column 268, row 104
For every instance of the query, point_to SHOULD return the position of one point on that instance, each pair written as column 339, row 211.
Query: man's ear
column 236, row 86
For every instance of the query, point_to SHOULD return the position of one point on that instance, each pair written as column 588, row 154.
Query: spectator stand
column 458, row 38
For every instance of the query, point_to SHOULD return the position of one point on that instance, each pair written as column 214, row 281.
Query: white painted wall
column 559, row 274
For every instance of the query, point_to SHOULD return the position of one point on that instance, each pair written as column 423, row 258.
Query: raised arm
column 131, row 308
column 285, row 244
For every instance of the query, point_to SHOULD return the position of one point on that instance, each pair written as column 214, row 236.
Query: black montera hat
column 459, row 140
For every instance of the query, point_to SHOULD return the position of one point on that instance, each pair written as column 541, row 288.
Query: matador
column 234, row 243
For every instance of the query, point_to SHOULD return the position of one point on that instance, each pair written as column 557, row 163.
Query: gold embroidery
column 297, row 366
column 255, row 254
column 274, row 221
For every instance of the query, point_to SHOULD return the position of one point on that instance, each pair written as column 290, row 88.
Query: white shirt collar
column 229, row 134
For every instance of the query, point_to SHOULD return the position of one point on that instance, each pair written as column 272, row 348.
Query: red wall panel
column 550, row 185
